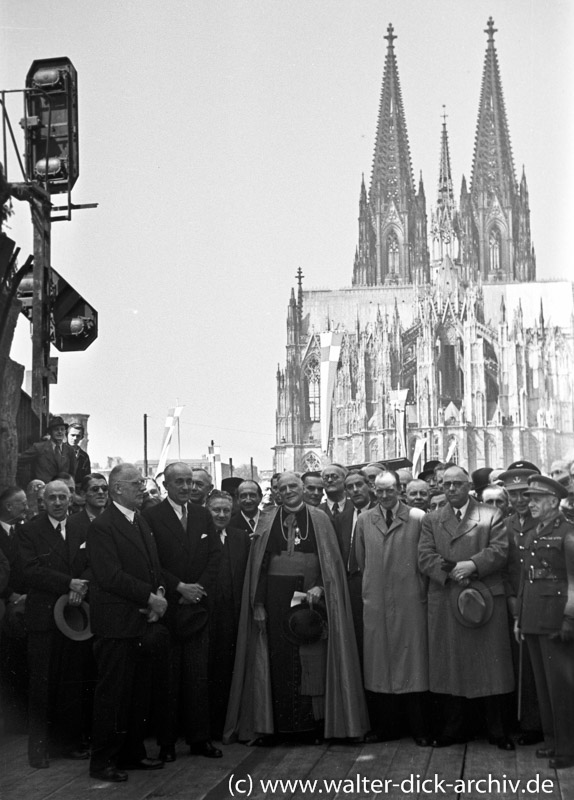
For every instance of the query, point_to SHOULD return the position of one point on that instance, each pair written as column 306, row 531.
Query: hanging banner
column 418, row 454
column 451, row 450
column 330, row 352
column 398, row 398
column 173, row 415
column 214, row 455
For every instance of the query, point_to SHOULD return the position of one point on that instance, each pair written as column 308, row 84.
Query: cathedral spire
column 493, row 165
column 392, row 174
column 445, row 202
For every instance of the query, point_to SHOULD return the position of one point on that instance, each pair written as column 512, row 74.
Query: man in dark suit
column 47, row 458
column 126, row 604
column 94, row 492
column 83, row 466
column 189, row 552
column 54, row 563
column 249, row 496
column 225, row 606
column 338, row 507
column 13, row 659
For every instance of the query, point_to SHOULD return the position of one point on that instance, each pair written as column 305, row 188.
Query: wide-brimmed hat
column 473, row 604
column 541, row 484
column 73, row 621
column 305, row 624
column 55, row 422
column 190, row 619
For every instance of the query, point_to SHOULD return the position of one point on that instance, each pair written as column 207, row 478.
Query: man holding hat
column 49, row 457
column 54, row 564
column 546, row 616
column 463, row 549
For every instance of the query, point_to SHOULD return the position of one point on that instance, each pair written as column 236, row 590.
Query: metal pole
column 251, row 463
column 40, row 311
column 231, row 468
column 145, row 445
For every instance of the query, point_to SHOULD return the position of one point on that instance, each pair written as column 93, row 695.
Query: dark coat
column 125, row 571
column 83, row 465
column 343, row 525
column 49, row 563
column 190, row 556
column 13, row 569
column 463, row 661
column 517, row 537
column 44, row 463
column 238, row 542
column 239, row 521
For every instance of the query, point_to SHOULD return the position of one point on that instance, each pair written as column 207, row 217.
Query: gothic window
column 311, row 463
column 373, row 450
column 393, row 253
column 494, row 250
column 313, row 385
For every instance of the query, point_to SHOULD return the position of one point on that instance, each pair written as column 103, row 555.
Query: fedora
column 73, row 621
column 473, row 604
column 305, row 624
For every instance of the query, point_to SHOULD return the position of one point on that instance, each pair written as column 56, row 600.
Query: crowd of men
column 363, row 604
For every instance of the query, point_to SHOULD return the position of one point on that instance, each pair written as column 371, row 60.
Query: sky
column 224, row 142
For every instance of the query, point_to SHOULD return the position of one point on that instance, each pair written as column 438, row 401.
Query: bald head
column 57, row 499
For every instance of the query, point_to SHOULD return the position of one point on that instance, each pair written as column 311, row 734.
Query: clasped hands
column 190, row 593
column 78, row 590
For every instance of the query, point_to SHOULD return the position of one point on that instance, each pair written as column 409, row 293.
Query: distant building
column 445, row 346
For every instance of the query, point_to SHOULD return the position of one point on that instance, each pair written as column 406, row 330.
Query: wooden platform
column 242, row 772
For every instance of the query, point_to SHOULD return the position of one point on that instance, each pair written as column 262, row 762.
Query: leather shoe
column 39, row 763
column 561, row 762
column 530, row 737
column 204, row 749
column 504, row 743
column 79, row 754
column 144, row 763
column 372, row 737
column 422, row 741
column 167, row 753
column 109, row 774
column 443, row 741
column 545, row 752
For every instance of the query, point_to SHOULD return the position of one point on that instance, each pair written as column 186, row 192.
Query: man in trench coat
column 394, row 611
column 460, row 543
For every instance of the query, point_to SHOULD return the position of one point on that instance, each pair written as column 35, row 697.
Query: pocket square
column 83, row 546
column 204, row 536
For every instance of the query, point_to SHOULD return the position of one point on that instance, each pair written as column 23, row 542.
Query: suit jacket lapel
column 129, row 531
column 174, row 524
column 468, row 522
column 55, row 540
column 379, row 520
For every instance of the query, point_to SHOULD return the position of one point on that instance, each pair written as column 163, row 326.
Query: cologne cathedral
column 446, row 346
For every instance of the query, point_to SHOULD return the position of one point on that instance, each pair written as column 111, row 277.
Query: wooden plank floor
column 353, row 770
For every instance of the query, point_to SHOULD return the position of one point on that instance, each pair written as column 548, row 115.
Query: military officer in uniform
column 546, row 617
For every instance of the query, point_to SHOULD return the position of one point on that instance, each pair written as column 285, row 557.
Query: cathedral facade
column 446, row 346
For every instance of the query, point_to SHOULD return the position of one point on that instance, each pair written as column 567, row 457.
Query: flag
column 173, row 415
column 330, row 352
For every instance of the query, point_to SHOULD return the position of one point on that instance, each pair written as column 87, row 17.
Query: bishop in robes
column 282, row 685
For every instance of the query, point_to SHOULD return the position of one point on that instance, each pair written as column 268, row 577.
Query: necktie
column 458, row 514
column 184, row 517
column 61, row 531
column 12, row 530
column 252, row 524
column 335, row 511
column 389, row 517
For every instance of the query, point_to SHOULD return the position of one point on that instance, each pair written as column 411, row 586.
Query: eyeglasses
column 140, row 483
column 454, row 484
column 95, row 489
